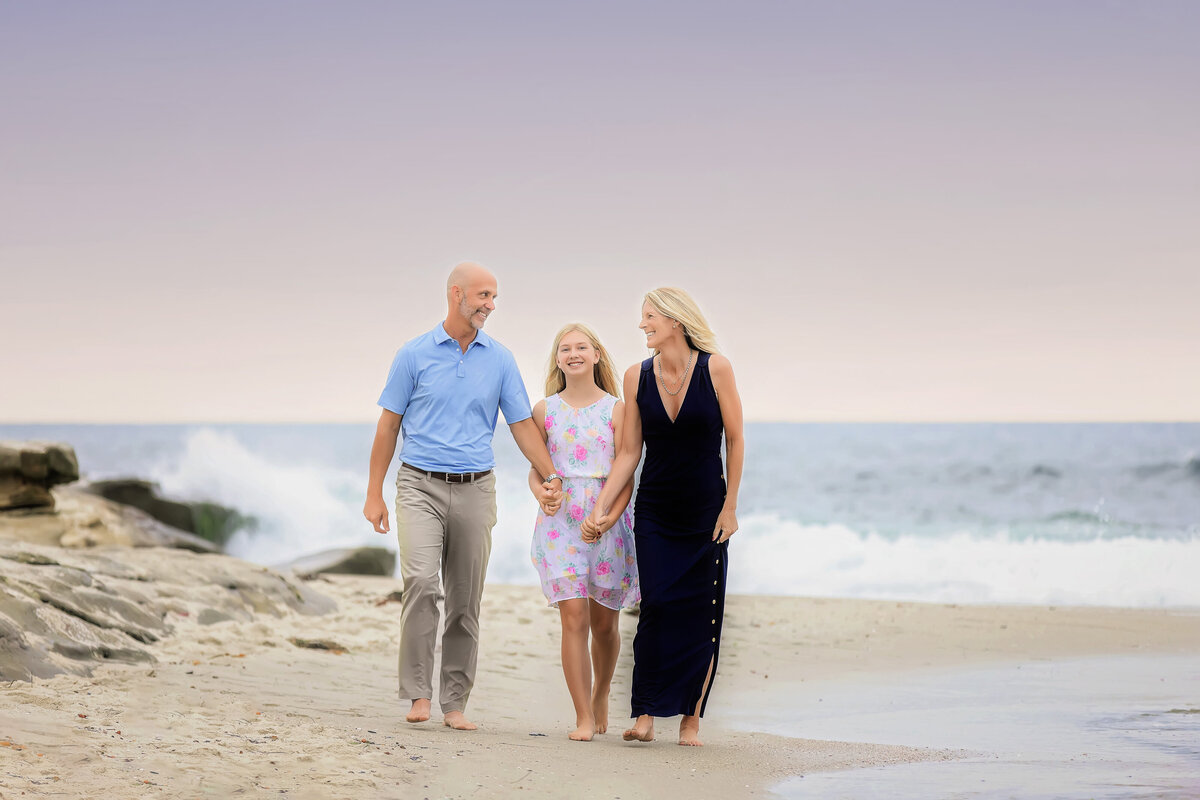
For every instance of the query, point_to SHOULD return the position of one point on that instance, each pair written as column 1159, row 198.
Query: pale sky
column 229, row 211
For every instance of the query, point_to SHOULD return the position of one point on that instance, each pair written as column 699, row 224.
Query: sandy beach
column 235, row 708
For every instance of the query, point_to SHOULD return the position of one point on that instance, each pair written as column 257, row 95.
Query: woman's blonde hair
column 679, row 305
column 604, row 373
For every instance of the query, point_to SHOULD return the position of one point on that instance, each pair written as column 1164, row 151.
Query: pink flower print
column 569, row 435
column 581, row 453
column 606, row 594
column 580, row 588
column 553, row 534
column 571, row 570
column 603, row 568
column 577, row 512
column 549, row 421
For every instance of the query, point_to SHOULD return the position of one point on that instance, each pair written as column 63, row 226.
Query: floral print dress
column 581, row 445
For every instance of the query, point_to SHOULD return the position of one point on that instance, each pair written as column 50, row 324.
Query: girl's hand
column 726, row 525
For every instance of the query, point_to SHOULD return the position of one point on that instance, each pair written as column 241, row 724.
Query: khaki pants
column 447, row 528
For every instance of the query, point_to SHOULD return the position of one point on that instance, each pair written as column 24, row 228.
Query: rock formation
column 67, row 610
column 209, row 521
column 345, row 561
column 29, row 469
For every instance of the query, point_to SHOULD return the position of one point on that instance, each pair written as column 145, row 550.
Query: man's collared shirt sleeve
column 514, row 401
column 401, row 381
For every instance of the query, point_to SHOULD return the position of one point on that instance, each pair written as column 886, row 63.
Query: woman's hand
column 594, row 526
column 726, row 525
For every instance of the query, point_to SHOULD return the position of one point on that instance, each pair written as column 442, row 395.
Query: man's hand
column 375, row 510
column 550, row 498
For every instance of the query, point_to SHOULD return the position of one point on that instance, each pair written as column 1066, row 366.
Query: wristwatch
column 553, row 476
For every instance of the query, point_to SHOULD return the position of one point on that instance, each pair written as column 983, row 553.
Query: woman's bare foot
column 689, row 731
column 458, row 721
column 600, row 710
column 419, row 711
column 584, row 731
column 642, row 730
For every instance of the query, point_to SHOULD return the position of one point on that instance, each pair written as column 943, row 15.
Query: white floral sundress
column 581, row 445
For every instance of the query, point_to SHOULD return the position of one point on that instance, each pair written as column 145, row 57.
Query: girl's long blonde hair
column 679, row 305
column 603, row 372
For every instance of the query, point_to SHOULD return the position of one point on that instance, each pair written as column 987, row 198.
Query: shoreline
column 233, row 705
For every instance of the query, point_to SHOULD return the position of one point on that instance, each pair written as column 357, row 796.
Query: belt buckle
column 457, row 477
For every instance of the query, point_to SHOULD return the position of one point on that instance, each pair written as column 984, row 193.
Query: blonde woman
column 590, row 578
column 686, row 509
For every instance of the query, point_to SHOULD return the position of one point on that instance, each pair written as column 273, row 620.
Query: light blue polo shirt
column 450, row 400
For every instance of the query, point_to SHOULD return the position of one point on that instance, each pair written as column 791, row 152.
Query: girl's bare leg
column 577, row 666
column 606, row 646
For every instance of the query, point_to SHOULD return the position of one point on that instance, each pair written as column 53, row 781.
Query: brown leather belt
column 449, row 477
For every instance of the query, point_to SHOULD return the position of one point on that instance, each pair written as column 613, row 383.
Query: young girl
column 588, row 578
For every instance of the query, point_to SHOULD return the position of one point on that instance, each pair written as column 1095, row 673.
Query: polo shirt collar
column 441, row 337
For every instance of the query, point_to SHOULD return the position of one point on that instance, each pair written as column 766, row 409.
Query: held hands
column 726, row 525
column 595, row 525
column 549, row 497
column 375, row 510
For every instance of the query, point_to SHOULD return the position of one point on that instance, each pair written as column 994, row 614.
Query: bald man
column 444, row 391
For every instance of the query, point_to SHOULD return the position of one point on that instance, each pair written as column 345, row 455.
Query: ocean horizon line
column 830, row 421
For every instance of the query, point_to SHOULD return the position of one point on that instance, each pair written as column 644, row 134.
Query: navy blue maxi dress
column 682, row 570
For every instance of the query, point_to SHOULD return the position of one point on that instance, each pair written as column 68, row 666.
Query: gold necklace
column 682, row 381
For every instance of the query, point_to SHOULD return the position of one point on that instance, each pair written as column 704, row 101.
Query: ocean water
column 1088, row 514
column 1113, row 727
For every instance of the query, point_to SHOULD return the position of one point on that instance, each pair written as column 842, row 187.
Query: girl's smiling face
column 576, row 355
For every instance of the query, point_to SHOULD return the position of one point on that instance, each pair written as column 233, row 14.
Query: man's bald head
column 470, row 295
column 465, row 273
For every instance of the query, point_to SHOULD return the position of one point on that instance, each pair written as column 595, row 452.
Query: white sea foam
column 773, row 556
column 306, row 507
column 300, row 508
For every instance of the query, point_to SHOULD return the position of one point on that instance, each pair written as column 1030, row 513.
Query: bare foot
column 458, row 721
column 419, row 711
column 583, row 733
column 642, row 730
column 600, row 711
column 689, row 731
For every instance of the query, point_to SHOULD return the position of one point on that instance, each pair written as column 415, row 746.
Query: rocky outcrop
column 64, row 610
column 79, row 519
column 85, row 580
column 209, row 521
column 345, row 561
column 29, row 469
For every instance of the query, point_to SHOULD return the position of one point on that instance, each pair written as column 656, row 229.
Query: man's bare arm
column 533, row 446
column 382, row 450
